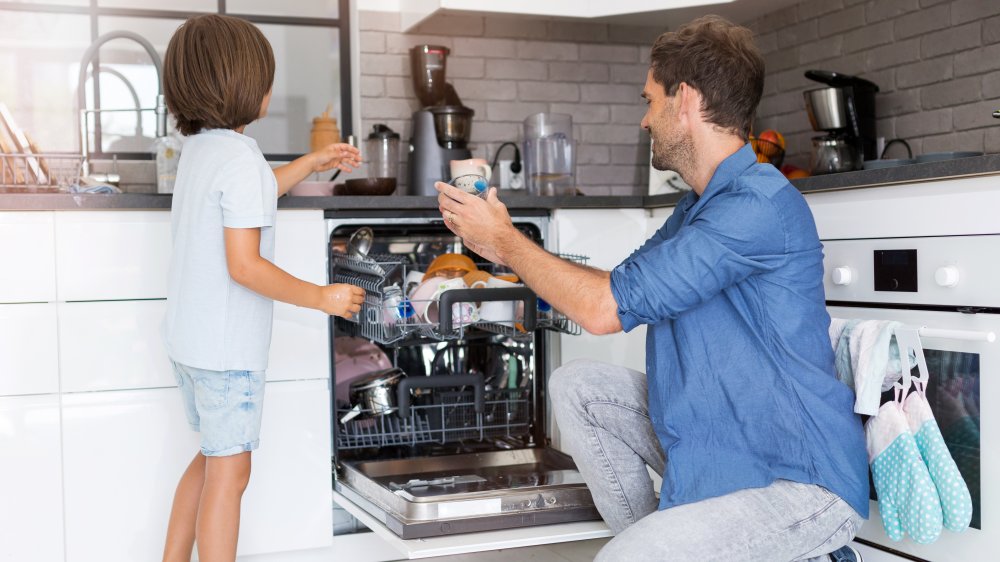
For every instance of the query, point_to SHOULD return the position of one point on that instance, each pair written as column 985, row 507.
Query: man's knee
column 568, row 383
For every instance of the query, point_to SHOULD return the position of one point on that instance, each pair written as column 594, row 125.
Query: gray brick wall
column 508, row 68
column 937, row 65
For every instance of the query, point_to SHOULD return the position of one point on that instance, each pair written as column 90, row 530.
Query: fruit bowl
column 767, row 151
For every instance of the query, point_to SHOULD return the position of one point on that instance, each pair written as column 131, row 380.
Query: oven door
column 959, row 391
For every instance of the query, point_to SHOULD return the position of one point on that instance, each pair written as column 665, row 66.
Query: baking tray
column 432, row 496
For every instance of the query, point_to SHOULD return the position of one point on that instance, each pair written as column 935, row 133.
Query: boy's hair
column 216, row 73
column 720, row 60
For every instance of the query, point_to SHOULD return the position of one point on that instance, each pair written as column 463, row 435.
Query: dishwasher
column 452, row 438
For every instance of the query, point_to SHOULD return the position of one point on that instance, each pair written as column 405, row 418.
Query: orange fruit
column 796, row 174
column 771, row 135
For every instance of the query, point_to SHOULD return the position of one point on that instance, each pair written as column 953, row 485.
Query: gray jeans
column 604, row 420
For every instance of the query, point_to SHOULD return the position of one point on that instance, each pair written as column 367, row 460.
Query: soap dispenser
column 167, row 150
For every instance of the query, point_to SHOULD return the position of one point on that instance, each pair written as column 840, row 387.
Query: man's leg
column 783, row 522
column 226, row 479
column 603, row 418
column 184, row 514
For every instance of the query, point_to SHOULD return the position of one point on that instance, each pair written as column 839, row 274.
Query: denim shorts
column 224, row 406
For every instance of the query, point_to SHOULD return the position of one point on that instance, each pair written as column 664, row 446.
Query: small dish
column 887, row 163
column 939, row 156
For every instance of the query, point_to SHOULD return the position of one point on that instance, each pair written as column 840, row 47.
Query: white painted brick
column 924, row 72
column 879, row 10
column 977, row 61
column 384, row 65
column 485, row 89
column 641, row 35
column 389, row 108
column 467, row 25
column 612, row 134
column 583, row 112
column 971, row 10
column 976, row 115
column 399, row 87
column 548, row 91
column 628, row 114
column 924, row 123
column 372, row 86
column 516, row 69
column 483, row 47
column 629, row 73
column 593, row 154
column 378, row 21
column 515, row 111
column 466, row 67
column 547, row 50
column 372, row 41
column 610, row 93
column 609, row 53
column 579, row 71
column 951, row 142
column 923, row 21
column 635, row 155
column 516, row 28
column 564, row 30
column 494, row 132
column 400, row 44
column 950, row 40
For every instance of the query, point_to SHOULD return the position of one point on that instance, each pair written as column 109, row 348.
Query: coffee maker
column 845, row 111
column 441, row 128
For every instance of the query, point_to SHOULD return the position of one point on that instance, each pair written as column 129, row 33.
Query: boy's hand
column 341, row 299
column 337, row 155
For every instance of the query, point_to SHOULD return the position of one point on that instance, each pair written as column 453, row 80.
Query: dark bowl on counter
column 366, row 186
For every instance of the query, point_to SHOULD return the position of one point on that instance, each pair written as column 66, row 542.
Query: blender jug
column 549, row 158
column 382, row 150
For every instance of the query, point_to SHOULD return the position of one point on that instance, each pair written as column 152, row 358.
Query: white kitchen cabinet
column 415, row 11
column 124, row 452
column 300, row 344
column 287, row 505
column 112, row 255
column 31, row 491
column 29, row 349
column 27, row 264
column 607, row 236
column 113, row 345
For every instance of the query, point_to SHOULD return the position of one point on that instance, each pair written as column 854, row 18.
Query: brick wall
column 508, row 68
column 937, row 64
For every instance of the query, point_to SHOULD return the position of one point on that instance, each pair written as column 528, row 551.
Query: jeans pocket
column 211, row 389
column 843, row 535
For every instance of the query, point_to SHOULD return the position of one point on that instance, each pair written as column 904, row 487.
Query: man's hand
column 484, row 226
column 337, row 155
column 341, row 299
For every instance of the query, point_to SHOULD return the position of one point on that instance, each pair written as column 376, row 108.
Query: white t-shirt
column 212, row 322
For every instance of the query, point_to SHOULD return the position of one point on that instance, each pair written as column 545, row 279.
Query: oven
column 461, row 443
column 934, row 267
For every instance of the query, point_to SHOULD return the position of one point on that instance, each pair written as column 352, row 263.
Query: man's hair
column 719, row 59
column 216, row 73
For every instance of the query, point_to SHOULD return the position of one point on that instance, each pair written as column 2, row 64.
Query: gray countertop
column 964, row 167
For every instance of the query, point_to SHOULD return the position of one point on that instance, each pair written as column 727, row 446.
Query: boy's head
column 217, row 73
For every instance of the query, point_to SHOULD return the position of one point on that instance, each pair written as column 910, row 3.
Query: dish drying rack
column 382, row 323
column 39, row 173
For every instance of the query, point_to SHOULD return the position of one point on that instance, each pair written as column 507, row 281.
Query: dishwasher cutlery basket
column 386, row 322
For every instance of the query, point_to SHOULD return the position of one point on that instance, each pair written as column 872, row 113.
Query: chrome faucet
column 88, row 56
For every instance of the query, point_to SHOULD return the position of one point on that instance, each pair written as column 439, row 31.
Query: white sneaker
column 846, row 553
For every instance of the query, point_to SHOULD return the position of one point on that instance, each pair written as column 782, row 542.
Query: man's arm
column 581, row 293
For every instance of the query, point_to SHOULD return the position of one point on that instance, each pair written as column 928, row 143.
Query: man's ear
column 688, row 104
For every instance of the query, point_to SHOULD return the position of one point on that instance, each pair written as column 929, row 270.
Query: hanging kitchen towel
column 907, row 499
column 840, row 337
column 875, row 362
column 956, row 502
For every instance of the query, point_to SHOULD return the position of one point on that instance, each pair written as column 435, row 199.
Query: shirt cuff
column 257, row 221
column 628, row 319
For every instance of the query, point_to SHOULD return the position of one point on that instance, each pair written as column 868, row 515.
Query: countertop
column 930, row 171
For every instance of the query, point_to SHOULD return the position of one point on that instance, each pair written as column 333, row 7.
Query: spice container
column 324, row 131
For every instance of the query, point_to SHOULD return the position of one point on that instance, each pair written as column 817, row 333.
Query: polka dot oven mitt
column 907, row 498
column 956, row 502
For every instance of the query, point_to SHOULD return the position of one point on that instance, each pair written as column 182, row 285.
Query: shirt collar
column 728, row 170
column 250, row 141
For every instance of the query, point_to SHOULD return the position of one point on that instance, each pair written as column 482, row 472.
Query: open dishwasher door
column 460, row 446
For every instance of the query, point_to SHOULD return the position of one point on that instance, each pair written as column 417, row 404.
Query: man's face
column 673, row 148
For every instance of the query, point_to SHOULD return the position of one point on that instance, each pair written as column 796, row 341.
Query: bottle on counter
column 324, row 131
column 167, row 150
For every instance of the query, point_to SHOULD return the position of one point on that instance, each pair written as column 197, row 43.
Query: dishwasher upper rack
column 376, row 322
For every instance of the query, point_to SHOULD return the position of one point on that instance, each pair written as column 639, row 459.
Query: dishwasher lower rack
column 390, row 322
column 451, row 418
column 433, row 496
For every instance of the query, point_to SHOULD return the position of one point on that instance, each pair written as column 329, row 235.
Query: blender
column 382, row 149
column 441, row 128
column 549, row 159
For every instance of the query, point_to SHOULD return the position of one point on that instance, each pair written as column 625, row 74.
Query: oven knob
column 947, row 276
column 842, row 275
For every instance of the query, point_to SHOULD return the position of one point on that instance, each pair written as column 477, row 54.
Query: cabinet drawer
column 113, row 346
column 29, row 349
column 112, row 255
column 300, row 344
column 30, row 479
column 300, row 245
column 27, row 257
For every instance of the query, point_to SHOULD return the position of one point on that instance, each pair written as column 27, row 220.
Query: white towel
column 874, row 359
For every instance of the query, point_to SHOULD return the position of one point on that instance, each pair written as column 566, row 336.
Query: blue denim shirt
column 742, row 388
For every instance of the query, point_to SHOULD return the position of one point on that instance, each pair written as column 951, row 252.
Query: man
column 761, row 454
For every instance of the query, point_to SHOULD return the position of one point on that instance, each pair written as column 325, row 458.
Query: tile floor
column 579, row 551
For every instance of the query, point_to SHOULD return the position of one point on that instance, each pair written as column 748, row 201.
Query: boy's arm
column 341, row 156
column 247, row 268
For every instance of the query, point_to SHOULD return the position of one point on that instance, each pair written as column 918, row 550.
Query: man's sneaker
column 846, row 554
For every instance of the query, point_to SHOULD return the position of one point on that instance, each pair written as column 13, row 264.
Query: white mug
column 412, row 281
column 462, row 313
column 500, row 312
column 474, row 166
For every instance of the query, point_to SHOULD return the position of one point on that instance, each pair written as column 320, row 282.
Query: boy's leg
column 184, row 514
column 219, row 514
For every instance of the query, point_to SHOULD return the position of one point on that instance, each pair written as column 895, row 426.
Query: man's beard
column 675, row 154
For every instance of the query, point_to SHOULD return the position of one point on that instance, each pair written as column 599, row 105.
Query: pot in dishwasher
column 466, row 448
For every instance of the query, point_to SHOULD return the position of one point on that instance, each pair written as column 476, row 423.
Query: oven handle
column 523, row 294
column 439, row 381
column 964, row 335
